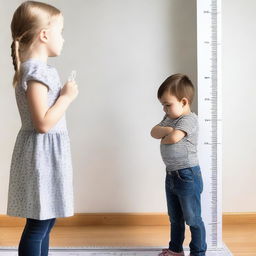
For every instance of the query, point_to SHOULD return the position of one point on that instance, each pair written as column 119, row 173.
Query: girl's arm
column 43, row 117
column 158, row 132
column 174, row 137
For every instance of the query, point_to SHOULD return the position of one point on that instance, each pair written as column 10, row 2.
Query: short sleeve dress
column 41, row 174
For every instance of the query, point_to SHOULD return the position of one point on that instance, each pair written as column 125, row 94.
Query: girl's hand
column 70, row 90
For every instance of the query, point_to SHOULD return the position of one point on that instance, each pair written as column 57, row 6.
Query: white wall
column 239, row 120
column 122, row 51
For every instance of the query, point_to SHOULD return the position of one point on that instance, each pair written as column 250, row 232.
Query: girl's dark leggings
column 35, row 237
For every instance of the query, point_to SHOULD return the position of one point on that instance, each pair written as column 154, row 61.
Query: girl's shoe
column 167, row 252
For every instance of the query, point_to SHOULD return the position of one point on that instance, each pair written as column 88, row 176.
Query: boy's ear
column 43, row 36
column 185, row 101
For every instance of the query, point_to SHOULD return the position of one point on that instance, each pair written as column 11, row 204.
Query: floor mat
column 109, row 251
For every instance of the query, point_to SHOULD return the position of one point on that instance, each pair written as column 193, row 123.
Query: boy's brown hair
column 178, row 85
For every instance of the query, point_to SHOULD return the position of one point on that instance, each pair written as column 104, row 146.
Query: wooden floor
column 240, row 239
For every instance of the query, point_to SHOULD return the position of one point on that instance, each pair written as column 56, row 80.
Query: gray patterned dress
column 41, row 175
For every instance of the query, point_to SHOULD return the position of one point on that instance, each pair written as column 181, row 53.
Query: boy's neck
column 186, row 111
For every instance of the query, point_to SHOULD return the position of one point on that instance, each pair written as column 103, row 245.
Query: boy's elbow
column 154, row 135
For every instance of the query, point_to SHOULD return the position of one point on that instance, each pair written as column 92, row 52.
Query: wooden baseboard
column 91, row 219
column 229, row 218
column 131, row 219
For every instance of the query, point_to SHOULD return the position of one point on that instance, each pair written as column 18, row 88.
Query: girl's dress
column 41, row 175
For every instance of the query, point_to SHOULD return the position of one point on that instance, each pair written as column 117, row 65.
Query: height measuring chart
column 209, row 113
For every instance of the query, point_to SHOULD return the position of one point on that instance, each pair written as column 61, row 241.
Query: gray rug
column 109, row 251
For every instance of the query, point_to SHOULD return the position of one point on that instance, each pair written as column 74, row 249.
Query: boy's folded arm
column 159, row 132
column 174, row 137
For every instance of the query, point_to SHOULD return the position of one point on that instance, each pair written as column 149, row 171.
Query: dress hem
column 44, row 218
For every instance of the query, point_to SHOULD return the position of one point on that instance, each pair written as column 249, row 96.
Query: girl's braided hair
column 28, row 20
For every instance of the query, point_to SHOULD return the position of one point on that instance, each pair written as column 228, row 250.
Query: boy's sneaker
column 167, row 252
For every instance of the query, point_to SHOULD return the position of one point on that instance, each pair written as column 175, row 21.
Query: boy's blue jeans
column 183, row 192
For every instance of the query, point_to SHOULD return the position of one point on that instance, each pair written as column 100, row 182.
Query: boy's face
column 172, row 106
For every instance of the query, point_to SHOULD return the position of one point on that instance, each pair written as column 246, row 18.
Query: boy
column 178, row 132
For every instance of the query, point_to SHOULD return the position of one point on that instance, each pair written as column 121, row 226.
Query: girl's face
column 55, row 38
column 172, row 106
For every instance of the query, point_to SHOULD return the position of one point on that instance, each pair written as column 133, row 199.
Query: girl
column 41, row 181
